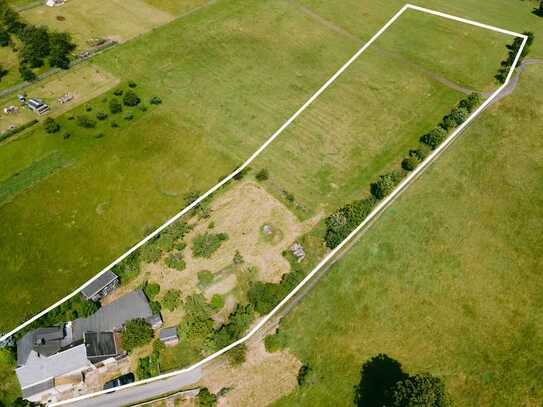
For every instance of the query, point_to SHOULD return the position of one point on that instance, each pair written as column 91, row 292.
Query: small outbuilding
column 169, row 336
column 155, row 321
column 101, row 287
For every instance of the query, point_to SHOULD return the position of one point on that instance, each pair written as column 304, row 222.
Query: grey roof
column 45, row 341
column 112, row 317
column 41, row 368
column 38, row 388
column 154, row 319
column 168, row 333
column 100, row 346
column 104, row 280
column 24, row 347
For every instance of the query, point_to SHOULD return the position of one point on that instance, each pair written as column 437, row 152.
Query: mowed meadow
column 228, row 76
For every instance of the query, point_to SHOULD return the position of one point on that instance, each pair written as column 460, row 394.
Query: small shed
column 169, row 337
column 101, row 287
column 155, row 321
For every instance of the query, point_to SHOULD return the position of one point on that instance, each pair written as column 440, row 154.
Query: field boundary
column 375, row 213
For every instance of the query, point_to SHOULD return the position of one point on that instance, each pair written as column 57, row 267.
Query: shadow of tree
column 377, row 376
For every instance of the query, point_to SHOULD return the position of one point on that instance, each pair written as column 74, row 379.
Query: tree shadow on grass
column 377, row 376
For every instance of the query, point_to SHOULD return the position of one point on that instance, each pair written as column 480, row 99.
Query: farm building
column 37, row 106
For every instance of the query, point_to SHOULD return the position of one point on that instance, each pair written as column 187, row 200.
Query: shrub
column 434, row 138
column 101, row 116
column 4, row 38
column 237, row 355
column 132, row 84
column 206, row 399
column 150, row 253
column 129, row 116
column 342, row 222
column 114, row 124
column 155, row 100
column 205, row 277
column 385, row 184
column 155, row 307
column 275, row 342
column 238, row 258
column 130, row 98
column 136, row 333
column 99, row 135
column 197, row 324
column 118, row 92
column 410, row 163
column 151, row 290
column 115, row 106
column 175, row 261
column 88, row 108
column 51, row 126
column 171, row 300
column 143, row 108
column 262, row 175
column 204, row 245
column 66, row 136
column 217, row 302
column 302, row 374
column 86, row 122
column 128, row 269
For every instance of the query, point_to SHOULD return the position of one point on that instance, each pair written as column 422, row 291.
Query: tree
column 385, row 184
column 26, row 73
column 130, row 98
column 410, row 163
column 434, row 138
column 51, row 126
column 4, row 38
column 206, row 398
column 61, row 47
column 86, row 122
column 471, row 102
column 377, row 376
column 171, row 300
column 455, row 118
column 136, row 333
column 539, row 10
column 237, row 355
column 420, row 390
column 151, row 290
column 115, row 106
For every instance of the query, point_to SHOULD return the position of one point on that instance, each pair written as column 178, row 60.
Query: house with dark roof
column 101, row 287
column 54, row 360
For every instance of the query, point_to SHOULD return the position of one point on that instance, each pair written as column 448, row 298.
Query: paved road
column 133, row 395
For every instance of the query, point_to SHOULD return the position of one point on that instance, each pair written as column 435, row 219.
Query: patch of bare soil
column 262, row 379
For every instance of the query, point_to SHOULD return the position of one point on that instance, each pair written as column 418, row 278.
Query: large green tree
column 420, row 390
column 136, row 333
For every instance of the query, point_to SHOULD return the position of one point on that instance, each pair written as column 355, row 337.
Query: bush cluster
column 51, row 126
column 171, row 300
column 204, row 245
column 343, row 221
column 265, row 296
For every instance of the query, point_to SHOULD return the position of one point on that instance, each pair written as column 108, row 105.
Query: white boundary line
column 376, row 211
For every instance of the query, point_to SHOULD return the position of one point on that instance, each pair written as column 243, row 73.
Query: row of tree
column 514, row 48
column 38, row 43
column 344, row 220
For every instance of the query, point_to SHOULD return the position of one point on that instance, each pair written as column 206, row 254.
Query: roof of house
column 154, row 319
column 112, row 317
column 38, row 388
column 104, row 280
column 168, row 333
column 39, row 369
column 100, row 345
column 44, row 341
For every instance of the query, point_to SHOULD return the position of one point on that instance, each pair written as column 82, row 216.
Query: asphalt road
column 133, row 395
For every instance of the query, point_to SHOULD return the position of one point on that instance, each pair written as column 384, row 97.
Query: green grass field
column 448, row 281
column 224, row 92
